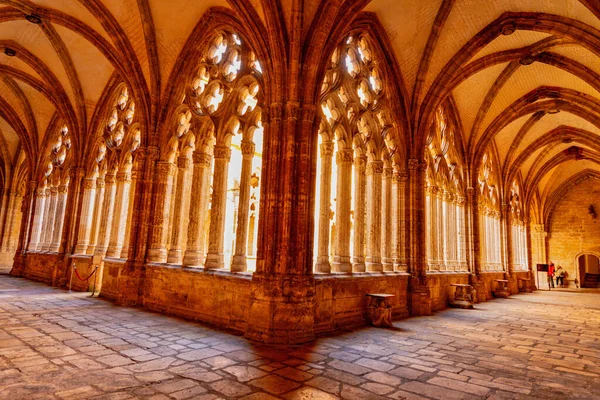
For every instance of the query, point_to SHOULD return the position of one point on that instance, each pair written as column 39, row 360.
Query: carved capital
column 248, row 148
column 184, row 163
column 110, row 179
column 413, row 164
column 64, row 189
column 327, row 149
column 276, row 111
column 123, row 176
column 222, row 152
column 387, row 172
column 203, row 159
column 291, row 110
column 344, row 156
column 374, row 167
column 401, row 176
column 360, row 161
column 89, row 183
column 308, row 112
column 165, row 169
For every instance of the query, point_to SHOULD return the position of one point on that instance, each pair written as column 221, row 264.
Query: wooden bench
column 524, row 285
column 380, row 309
column 463, row 296
column 501, row 288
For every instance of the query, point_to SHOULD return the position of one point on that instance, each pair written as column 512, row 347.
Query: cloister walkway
column 60, row 345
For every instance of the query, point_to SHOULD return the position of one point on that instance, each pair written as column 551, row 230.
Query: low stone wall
column 341, row 301
column 6, row 260
column 112, row 285
column 44, row 267
column 217, row 297
column 440, row 289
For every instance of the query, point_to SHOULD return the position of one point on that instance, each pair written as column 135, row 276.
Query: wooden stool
column 463, row 296
column 501, row 288
column 380, row 309
column 524, row 285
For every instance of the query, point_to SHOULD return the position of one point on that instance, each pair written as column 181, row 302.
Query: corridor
column 60, row 345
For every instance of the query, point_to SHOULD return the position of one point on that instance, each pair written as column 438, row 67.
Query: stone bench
column 501, row 288
column 380, row 309
column 524, row 285
column 463, row 296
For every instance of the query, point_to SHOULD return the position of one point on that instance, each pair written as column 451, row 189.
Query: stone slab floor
column 60, row 345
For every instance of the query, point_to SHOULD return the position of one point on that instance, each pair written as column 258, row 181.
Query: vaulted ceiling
column 530, row 95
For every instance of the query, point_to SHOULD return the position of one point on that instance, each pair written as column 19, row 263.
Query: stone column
column 386, row 220
column 9, row 215
column 214, row 258
column 119, row 220
column 439, row 212
column 507, row 240
column 50, row 218
column 181, row 213
column 15, row 221
column 132, row 191
column 433, row 228
column 400, row 264
column 5, row 208
column 343, row 222
column 323, row 264
column 445, row 231
column 395, row 221
column 107, row 215
column 238, row 263
column 165, row 173
column 96, row 220
column 87, row 208
column 40, row 211
column 358, row 258
column 194, row 252
column 373, row 258
column 59, row 220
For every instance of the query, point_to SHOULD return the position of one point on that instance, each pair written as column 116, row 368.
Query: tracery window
column 110, row 182
column 360, row 196
column 518, row 231
column 51, row 195
column 489, row 217
column 211, row 164
column 445, row 246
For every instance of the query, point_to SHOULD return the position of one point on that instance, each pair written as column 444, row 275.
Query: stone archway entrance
column 589, row 270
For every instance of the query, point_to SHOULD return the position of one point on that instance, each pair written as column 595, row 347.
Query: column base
column 388, row 265
column 374, row 266
column 238, row 264
column 193, row 259
column 90, row 250
column 81, row 248
column 175, row 256
column 157, row 255
column 281, row 309
column 419, row 297
column 323, row 267
column 113, row 251
column 214, row 261
column 344, row 267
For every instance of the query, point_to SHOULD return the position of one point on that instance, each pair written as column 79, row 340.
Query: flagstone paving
column 60, row 345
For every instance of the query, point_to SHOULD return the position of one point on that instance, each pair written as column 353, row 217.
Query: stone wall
column 44, row 267
column 219, row 298
column 440, row 289
column 341, row 301
column 572, row 230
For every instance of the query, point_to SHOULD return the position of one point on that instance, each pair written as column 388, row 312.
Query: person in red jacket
column 551, row 274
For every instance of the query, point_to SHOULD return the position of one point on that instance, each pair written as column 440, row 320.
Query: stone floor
column 60, row 345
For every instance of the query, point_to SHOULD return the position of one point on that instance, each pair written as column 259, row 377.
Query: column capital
column 374, row 167
column 360, row 161
column 184, row 163
column 204, row 159
column 387, row 172
column 344, row 156
column 308, row 112
column 64, row 189
column 123, row 176
column 248, row 148
column 222, row 152
column 165, row 168
column 400, row 176
column 327, row 149
column 89, row 183
column 110, row 178
column 53, row 190
column 415, row 164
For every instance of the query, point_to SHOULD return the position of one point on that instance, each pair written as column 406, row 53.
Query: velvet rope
column 89, row 276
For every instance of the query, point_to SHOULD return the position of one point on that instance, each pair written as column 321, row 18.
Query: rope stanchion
column 84, row 279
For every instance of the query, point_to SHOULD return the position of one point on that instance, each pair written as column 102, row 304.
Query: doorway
column 589, row 270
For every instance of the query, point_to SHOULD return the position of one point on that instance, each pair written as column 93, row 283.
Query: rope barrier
column 89, row 276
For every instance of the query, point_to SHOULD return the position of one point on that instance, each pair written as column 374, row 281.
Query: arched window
column 445, row 246
column 518, row 231
column 110, row 182
column 211, row 162
column 51, row 195
column 489, row 217
column 360, row 195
